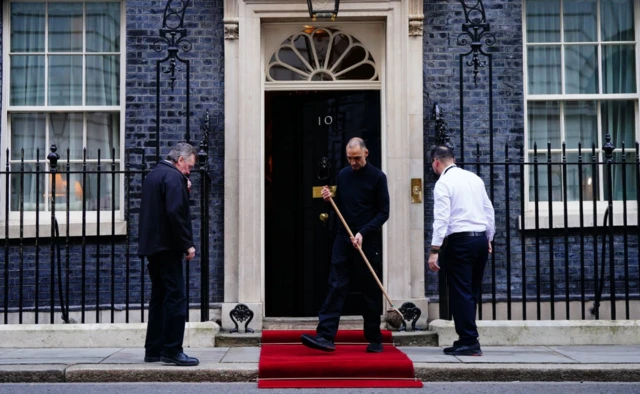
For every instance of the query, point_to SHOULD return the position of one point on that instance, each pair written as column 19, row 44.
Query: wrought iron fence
column 91, row 266
column 559, row 247
column 567, row 234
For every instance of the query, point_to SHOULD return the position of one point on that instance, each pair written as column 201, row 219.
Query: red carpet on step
column 286, row 363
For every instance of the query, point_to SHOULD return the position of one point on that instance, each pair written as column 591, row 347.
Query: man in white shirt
column 463, row 228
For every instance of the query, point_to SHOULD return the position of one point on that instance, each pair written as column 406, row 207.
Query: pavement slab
column 207, row 355
column 242, row 355
column 419, row 354
column 601, row 354
column 136, row 356
column 59, row 353
column 6, row 350
column 51, row 361
column 517, row 355
column 240, row 364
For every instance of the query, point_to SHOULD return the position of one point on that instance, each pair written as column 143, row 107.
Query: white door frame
column 401, row 141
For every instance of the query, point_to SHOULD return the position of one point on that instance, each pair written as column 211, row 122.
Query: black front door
column 305, row 139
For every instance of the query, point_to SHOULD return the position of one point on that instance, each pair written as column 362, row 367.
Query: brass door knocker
column 324, row 169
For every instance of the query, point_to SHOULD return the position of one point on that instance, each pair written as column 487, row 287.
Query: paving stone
column 601, row 354
column 419, row 354
column 60, row 353
column 51, row 361
column 207, row 355
column 517, row 355
column 7, row 350
column 136, row 355
column 126, row 356
column 242, row 355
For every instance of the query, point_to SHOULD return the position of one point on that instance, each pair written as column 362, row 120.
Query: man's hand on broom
column 357, row 241
column 326, row 193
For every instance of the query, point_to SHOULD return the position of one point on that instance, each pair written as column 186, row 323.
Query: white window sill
column 573, row 219
column 75, row 229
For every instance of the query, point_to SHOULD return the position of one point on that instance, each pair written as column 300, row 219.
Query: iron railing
column 549, row 251
column 554, row 248
column 87, row 270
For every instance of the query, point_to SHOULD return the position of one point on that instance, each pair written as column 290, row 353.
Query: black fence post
column 608, row 148
column 203, row 160
column 6, row 240
column 53, row 158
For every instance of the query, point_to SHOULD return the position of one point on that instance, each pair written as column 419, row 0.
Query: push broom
column 393, row 317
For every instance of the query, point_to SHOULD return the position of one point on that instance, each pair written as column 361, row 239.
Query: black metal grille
column 90, row 271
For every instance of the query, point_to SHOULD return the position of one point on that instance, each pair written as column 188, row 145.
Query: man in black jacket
column 166, row 237
column 362, row 196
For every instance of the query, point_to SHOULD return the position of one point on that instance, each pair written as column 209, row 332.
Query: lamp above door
column 323, row 9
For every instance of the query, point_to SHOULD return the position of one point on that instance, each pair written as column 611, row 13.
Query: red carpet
column 286, row 363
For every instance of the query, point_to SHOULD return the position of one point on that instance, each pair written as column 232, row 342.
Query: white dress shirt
column 461, row 204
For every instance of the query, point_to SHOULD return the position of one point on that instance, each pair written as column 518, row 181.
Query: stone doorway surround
column 401, row 135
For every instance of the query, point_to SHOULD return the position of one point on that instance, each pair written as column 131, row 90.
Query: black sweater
column 363, row 199
column 165, row 222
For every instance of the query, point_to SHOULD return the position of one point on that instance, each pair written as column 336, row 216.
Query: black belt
column 466, row 234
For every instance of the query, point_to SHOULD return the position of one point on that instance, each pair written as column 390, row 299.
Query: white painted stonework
column 545, row 332
column 253, row 29
column 114, row 335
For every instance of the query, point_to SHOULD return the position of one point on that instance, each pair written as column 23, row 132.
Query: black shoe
column 179, row 359
column 151, row 359
column 456, row 344
column 318, row 343
column 374, row 347
column 465, row 350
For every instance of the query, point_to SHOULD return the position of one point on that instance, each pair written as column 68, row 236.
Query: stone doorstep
column 545, row 332
column 132, row 335
column 400, row 338
column 248, row 372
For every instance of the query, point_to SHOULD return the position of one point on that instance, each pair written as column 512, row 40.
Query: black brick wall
column 443, row 20
column 203, row 21
column 443, row 25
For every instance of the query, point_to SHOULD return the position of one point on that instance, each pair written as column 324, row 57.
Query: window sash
column 94, row 78
column 99, row 132
column 104, row 49
column 551, row 51
column 569, row 87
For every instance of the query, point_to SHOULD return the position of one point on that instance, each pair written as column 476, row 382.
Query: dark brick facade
column 443, row 25
column 203, row 22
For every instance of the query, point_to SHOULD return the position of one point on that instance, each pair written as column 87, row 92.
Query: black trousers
column 345, row 263
column 464, row 260
column 167, row 306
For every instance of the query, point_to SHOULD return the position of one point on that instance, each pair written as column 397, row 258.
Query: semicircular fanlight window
column 321, row 54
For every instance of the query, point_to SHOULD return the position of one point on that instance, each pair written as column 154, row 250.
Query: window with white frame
column 63, row 82
column 581, row 84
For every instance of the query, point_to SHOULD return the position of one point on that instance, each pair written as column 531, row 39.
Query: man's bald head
column 356, row 142
column 357, row 153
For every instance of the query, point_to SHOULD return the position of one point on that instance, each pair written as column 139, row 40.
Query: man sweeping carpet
column 363, row 198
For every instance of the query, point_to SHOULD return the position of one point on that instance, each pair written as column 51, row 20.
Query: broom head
column 394, row 318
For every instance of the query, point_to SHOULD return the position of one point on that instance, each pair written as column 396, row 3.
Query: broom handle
column 361, row 252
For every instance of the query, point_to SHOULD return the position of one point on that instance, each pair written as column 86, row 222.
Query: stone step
column 309, row 323
column 400, row 338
